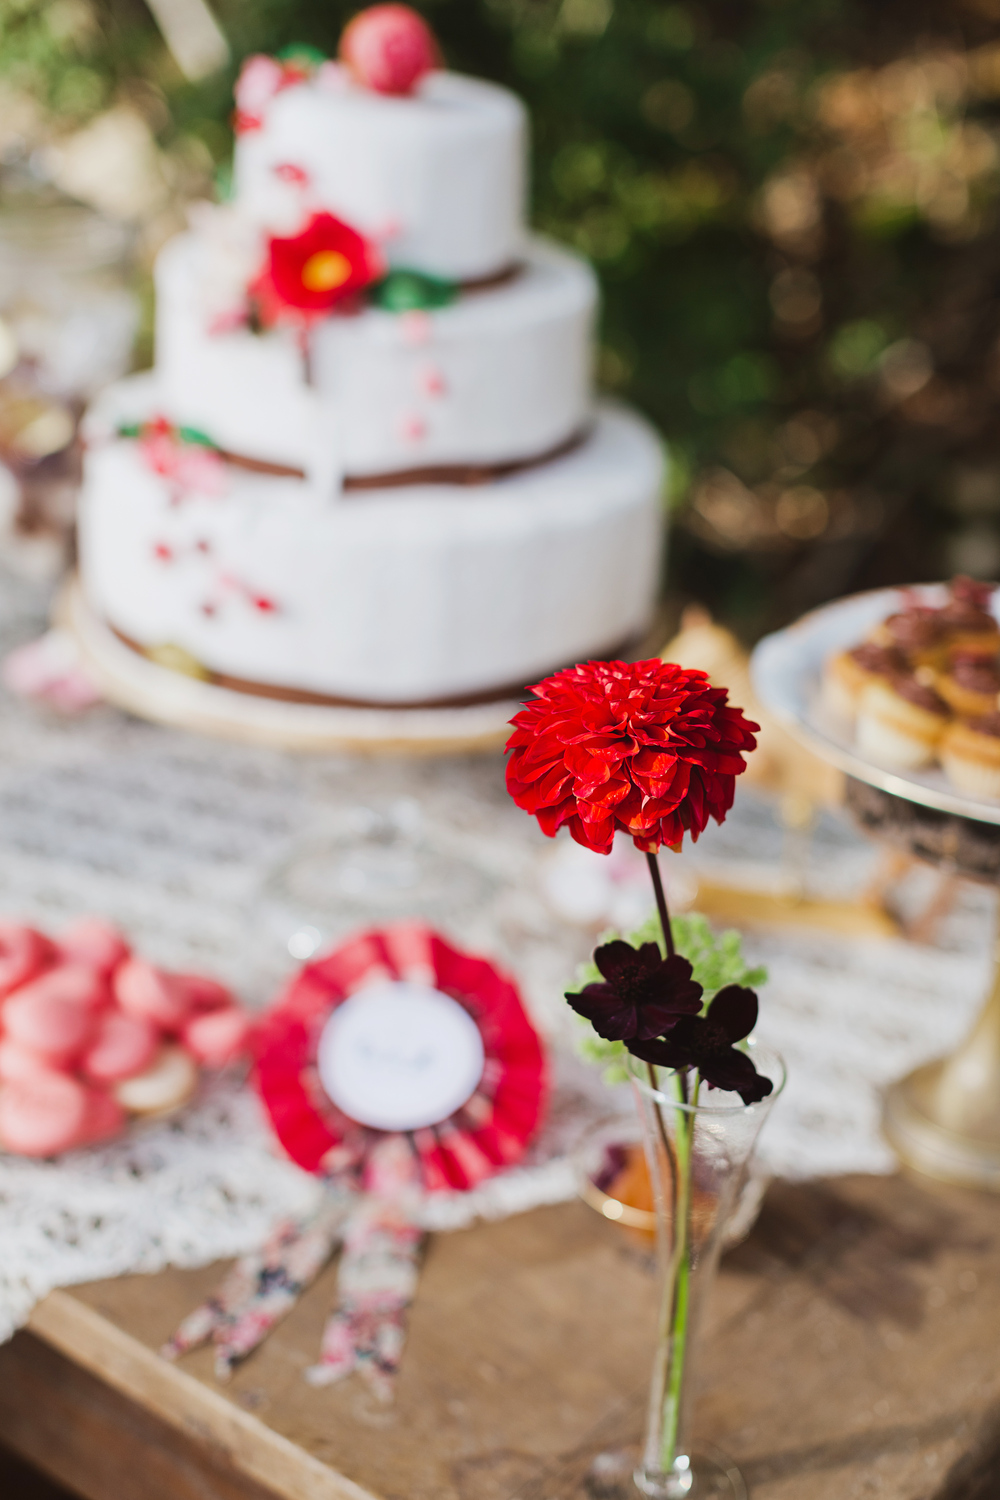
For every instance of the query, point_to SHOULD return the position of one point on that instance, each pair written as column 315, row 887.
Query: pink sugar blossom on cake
column 261, row 78
column 188, row 467
column 50, row 669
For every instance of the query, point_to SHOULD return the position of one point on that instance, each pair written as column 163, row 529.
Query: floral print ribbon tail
column 261, row 1288
column 377, row 1282
column 379, row 1270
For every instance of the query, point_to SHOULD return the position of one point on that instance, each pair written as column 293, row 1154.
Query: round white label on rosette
column 400, row 1056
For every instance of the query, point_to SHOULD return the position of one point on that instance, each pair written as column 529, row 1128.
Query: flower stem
column 661, row 902
column 665, row 1143
column 678, row 1288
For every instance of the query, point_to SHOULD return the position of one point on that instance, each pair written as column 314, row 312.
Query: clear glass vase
column 698, row 1142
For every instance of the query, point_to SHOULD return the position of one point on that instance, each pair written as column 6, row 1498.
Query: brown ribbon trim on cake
column 494, row 279
column 510, row 691
column 460, row 474
column 463, row 474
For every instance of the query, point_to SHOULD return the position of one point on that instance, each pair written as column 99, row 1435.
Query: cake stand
column 944, row 1118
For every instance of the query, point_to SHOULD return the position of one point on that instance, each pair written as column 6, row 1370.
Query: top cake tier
column 436, row 178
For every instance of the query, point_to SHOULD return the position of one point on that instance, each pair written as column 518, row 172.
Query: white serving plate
column 786, row 670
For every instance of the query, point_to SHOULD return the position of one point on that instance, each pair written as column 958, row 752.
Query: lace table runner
column 238, row 860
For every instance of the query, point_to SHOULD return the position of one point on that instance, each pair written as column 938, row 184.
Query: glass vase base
column 706, row 1475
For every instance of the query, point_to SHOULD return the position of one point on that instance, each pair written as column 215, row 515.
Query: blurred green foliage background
column 792, row 204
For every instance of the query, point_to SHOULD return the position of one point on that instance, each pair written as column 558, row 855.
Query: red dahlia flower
column 647, row 747
column 311, row 272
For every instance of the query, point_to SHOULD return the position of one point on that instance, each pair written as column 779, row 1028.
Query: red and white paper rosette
column 408, row 975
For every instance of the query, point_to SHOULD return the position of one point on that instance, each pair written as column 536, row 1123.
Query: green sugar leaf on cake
column 301, row 54
column 412, row 291
column 195, row 435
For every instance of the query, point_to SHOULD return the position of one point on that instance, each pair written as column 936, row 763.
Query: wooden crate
column 851, row 1350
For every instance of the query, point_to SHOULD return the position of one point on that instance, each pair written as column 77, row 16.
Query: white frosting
column 400, row 595
column 437, row 178
column 497, row 375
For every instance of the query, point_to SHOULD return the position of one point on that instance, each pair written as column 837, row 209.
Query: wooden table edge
column 138, row 1372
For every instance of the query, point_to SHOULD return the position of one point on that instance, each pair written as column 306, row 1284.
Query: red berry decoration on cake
column 389, row 48
column 315, row 271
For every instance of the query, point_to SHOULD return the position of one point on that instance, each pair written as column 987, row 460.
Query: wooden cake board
column 850, row 1351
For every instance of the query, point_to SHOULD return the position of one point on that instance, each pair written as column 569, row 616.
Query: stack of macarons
column 925, row 688
column 92, row 1035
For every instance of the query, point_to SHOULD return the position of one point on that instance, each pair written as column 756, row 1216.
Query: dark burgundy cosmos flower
column 643, row 994
column 646, row 747
column 706, row 1043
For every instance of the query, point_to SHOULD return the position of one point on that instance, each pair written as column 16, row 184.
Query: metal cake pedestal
column 943, row 1119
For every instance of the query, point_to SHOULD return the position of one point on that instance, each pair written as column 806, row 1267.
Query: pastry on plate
column 970, row 755
column 967, row 620
column 848, row 673
column 918, row 632
column 970, row 684
column 900, row 722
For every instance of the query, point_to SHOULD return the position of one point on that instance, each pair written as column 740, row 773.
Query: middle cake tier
column 500, row 376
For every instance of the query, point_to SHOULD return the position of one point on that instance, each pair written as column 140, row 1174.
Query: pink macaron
column 42, row 1115
column 18, row 1062
column 204, row 993
column 103, row 1120
column 55, row 1027
column 96, row 943
column 217, row 1037
column 24, row 952
column 123, row 1045
column 74, row 983
column 143, row 990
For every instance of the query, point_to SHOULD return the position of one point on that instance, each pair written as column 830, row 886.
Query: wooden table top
column 851, row 1349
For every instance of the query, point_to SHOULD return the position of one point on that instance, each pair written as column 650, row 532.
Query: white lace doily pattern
column 216, row 856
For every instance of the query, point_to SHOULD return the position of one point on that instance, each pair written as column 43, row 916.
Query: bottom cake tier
column 420, row 595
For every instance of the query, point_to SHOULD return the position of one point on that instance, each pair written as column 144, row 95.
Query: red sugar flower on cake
column 312, row 272
column 646, row 747
column 389, row 48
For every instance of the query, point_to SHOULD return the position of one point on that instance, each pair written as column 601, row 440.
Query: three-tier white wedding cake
column 367, row 468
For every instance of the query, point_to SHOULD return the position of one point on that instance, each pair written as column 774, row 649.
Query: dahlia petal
column 596, row 836
column 551, row 819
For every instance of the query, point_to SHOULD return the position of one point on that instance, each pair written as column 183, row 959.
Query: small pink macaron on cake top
column 389, row 49
column 91, row 1036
